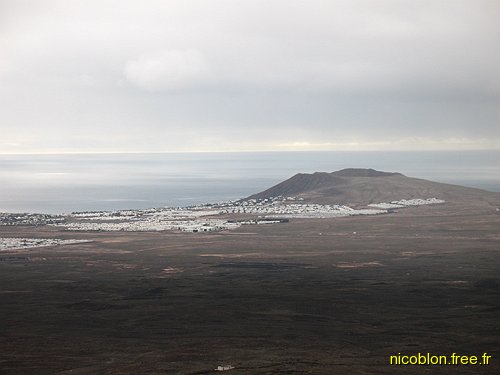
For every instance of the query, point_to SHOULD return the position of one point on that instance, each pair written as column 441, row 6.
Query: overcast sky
column 242, row 75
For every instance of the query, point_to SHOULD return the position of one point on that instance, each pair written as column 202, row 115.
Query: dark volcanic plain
column 312, row 296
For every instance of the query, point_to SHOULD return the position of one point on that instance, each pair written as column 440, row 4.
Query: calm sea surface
column 66, row 183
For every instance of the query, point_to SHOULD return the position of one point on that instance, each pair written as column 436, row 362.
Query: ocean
column 85, row 182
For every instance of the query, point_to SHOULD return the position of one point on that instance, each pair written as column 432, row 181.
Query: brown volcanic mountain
column 357, row 187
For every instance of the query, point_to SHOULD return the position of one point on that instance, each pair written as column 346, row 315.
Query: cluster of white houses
column 31, row 219
column 285, row 207
column 203, row 218
column 406, row 203
column 14, row 243
column 153, row 224
column 300, row 210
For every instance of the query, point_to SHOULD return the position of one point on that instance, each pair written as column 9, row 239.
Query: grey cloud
column 201, row 73
column 168, row 70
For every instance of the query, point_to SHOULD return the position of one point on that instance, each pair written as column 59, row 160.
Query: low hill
column 357, row 187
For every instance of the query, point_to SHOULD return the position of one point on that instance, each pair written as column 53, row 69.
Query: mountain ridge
column 364, row 172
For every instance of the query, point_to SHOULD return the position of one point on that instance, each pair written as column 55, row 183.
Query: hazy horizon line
column 236, row 152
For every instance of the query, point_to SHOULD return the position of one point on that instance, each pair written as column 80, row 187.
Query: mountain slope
column 364, row 186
